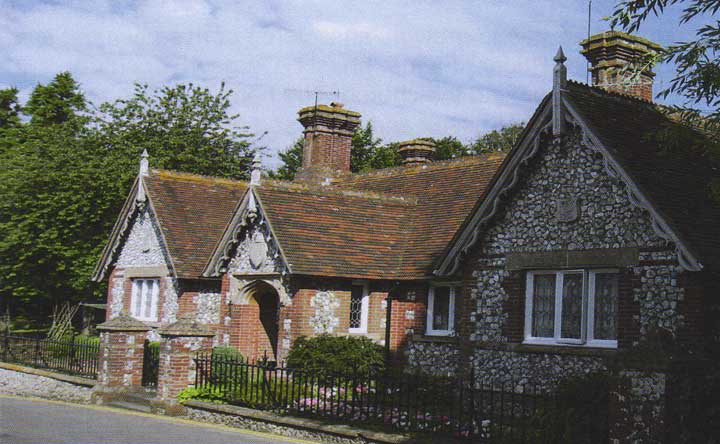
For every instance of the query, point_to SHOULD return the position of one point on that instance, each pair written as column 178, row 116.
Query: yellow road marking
column 163, row 418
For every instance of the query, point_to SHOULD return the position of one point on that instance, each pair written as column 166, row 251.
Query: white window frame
column 429, row 330
column 364, row 307
column 139, row 290
column 588, row 310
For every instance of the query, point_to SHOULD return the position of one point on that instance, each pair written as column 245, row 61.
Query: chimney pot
column 417, row 151
column 328, row 139
column 610, row 52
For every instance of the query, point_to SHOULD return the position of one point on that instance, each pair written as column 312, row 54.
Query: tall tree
column 10, row 108
column 64, row 180
column 184, row 128
column 450, row 147
column 291, row 158
column 697, row 66
column 57, row 102
column 498, row 140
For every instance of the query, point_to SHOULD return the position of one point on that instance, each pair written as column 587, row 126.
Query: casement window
column 441, row 310
column 359, row 306
column 573, row 307
column 144, row 301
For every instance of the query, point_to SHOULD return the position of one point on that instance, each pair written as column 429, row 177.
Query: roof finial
column 144, row 163
column 559, row 83
column 256, row 171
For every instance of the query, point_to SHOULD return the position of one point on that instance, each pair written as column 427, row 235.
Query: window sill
column 435, row 338
column 563, row 349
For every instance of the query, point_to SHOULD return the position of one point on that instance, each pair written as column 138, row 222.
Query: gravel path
column 23, row 384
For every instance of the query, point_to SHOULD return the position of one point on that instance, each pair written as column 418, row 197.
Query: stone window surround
column 587, row 340
column 148, row 272
column 363, row 329
column 454, row 291
column 142, row 289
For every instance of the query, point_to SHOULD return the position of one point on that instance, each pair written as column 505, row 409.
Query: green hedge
column 336, row 354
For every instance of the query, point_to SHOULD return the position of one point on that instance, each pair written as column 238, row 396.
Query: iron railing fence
column 503, row 412
column 76, row 356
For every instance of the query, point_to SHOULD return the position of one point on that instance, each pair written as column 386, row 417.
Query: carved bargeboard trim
column 249, row 209
column 508, row 179
column 137, row 200
column 660, row 226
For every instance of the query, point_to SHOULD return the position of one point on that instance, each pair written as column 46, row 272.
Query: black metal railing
column 463, row 407
column 75, row 355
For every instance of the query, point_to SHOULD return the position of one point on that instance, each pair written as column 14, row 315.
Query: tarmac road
column 28, row 420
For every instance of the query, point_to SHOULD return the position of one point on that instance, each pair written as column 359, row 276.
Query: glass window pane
column 356, row 297
column 137, row 302
column 606, row 305
column 572, row 302
column 147, row 297
column 441, row 308
column 543, row 309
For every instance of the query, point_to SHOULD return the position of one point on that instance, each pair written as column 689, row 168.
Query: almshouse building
column 597, row 233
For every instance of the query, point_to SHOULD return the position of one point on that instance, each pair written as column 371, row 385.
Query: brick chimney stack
column 416, row 151
column 610, row 52
column 328, row 140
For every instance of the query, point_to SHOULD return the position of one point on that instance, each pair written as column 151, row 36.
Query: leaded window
column 572, row 307
column 359, row 301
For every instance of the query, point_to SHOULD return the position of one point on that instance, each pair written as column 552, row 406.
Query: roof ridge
column 615, row 93
column 425, row 166
column 331, row 191
column 197, row 177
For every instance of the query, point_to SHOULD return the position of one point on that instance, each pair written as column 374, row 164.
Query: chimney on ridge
column 610, row 52
column 328, row 140
column 416, row 151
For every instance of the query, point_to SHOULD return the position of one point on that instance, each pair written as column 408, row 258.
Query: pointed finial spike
column 144, row 163
column 560, row 56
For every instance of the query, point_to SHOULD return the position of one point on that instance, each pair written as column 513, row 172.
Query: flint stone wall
column 434, row 358
column 529, row 222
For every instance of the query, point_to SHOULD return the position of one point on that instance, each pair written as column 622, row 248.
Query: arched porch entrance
column 255, row 321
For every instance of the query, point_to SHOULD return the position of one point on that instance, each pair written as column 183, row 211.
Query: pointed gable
column 193, row 212
column 671, row 184
column 676, row 179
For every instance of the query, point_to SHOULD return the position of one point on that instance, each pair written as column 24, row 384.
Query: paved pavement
column 25, row 421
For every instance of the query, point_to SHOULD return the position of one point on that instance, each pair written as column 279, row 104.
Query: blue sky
column 413, row 68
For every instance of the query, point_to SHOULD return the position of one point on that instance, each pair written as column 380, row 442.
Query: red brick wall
column 121, row 359
column 326, row 150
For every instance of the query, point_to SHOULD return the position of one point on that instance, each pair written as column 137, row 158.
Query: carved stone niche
column 256, row 252
column 243, row 287
column 567, row 209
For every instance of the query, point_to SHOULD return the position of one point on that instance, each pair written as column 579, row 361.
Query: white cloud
column 415, row 68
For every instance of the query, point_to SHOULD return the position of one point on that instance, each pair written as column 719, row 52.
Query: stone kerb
column 121, row 352
column 179, row 343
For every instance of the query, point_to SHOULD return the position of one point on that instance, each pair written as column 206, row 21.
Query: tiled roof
column 334, row 233
column 389, row 224
column 193, row 212
column 676, row 179
column 446, row 193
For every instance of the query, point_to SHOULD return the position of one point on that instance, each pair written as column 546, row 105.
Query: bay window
column 144, row 300
column 572, row 307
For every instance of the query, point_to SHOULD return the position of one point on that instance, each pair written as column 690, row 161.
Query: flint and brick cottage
column 592, row 236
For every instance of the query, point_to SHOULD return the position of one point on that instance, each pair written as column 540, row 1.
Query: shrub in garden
column 337, row 354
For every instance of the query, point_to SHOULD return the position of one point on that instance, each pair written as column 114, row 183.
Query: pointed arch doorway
column 255, row 321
